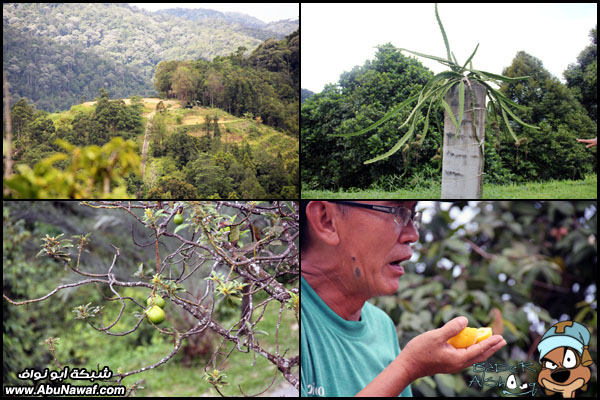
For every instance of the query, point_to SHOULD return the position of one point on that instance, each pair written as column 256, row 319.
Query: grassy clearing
column 564, row 189
column 260, row 137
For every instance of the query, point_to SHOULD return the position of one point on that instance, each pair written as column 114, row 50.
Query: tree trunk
column 146, row 141
column 462, row 164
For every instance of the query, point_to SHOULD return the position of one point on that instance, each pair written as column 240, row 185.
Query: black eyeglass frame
column 415, row 216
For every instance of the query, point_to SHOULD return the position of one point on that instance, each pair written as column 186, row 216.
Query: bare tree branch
column 204, row 245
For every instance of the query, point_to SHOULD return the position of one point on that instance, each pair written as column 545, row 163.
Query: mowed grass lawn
column 564, row 189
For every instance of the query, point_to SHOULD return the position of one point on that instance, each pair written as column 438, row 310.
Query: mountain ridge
column 74, row 49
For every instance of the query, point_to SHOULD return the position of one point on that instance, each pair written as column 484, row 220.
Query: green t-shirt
column 339, row 357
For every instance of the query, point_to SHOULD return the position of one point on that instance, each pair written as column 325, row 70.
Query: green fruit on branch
column 155, row 314
column 156, row 301
column 178, row 219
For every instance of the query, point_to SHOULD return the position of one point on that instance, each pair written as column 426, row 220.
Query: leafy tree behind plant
column 552, row 151
column 362, row 97
column 582, row 77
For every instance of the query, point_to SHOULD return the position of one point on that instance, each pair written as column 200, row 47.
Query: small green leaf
column 500, row 96
column 426, row 124
column 461, row 103
column 507, row 124
column 437, row 15
column 454, row 58
column 505, row 108
column 469, row 59
column 382, row 120
column 499, row 77
column 180, row 227
column 449, row 111
column 450, row 63
column 395, row 148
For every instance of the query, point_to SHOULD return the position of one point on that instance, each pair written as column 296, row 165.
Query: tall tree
column 183, row 82
column 214, row 86
column 22, row 114
column 550, row 152
column 582, row 77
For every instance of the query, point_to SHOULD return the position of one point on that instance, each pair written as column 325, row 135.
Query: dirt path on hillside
column 148, row 102
column 145, row 146
column 199, row 119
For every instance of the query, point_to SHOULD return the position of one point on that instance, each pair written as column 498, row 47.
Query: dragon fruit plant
column 434, row 92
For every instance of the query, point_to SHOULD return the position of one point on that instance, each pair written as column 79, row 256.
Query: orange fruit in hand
column 483, row 333
column 469, row 336
column 465, row 338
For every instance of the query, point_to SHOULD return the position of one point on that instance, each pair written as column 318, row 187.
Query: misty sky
column 335, row 39
column 266, row 12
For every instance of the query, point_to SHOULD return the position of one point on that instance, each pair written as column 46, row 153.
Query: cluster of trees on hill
column 35, row 133
column 185, row 166
column 265, row 84
column 365, row 94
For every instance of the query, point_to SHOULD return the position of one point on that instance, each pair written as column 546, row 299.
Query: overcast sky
column 335, row 39
column 266, row 12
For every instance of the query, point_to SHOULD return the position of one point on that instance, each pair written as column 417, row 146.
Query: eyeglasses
column 401, row 214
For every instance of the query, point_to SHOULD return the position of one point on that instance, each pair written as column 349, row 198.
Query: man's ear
column 323, row 221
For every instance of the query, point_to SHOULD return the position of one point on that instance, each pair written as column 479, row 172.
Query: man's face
column 373, row 245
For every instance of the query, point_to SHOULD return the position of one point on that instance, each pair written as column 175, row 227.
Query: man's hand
column 591, row 142
column 429, row 354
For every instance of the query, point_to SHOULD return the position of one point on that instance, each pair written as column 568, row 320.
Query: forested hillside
column 58, row 54
column 201, row 106
column 265, row 84
column 55, row 76
column 185, row 147
column 249, row 25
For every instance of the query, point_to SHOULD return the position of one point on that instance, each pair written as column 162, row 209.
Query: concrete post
column 462, row 163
